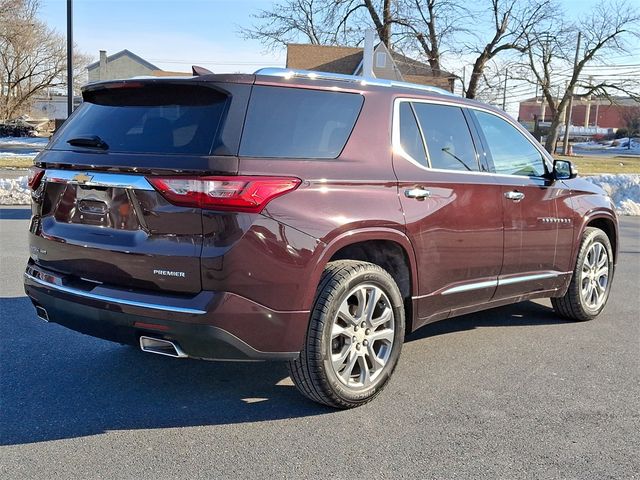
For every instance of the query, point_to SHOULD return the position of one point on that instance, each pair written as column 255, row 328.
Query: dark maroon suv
column 302, row 216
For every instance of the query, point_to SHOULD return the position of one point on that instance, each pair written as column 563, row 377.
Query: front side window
column 447, row 135
column 298, row 123
column 511, row 151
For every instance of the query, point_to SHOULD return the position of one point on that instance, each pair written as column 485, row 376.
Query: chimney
column 367, row 54
column 103, row 65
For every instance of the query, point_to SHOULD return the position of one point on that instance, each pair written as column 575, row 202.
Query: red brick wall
column 609, row 116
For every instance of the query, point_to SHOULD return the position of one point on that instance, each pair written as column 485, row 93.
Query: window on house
column 381, row 60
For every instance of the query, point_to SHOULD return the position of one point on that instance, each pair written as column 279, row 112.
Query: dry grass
column 593, row 165
column 16, row 162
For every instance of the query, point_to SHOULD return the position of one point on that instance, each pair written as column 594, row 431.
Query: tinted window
column 447, row 136
column 173, row 119
column 298, row 123
column 511, row 151
column 410, row 138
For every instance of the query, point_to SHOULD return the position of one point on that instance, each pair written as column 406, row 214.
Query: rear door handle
column 417, row 192
column 514, row 195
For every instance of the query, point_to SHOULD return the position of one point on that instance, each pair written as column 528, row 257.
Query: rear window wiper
column 91, row 141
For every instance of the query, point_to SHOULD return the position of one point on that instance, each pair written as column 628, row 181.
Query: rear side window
column 447, row 135
column 298, row 123
column 410, row 137
column 167, row 119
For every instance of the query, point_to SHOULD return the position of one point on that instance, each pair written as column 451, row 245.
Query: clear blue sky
column 175, row 34
column 170, row 34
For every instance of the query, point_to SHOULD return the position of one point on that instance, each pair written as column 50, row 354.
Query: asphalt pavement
column 513, row 392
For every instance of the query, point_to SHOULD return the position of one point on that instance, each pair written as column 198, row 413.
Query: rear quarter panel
column 340, row 201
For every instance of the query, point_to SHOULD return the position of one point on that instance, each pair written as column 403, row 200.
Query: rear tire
column 355, row 336
column 591, row 282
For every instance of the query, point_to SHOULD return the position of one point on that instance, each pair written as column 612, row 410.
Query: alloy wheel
column 362, row 336
column 594, row 276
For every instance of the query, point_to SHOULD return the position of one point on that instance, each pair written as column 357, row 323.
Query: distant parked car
column 305, row 217
column 17, row 127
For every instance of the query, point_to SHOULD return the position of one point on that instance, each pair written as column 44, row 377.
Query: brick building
column 599, row 112
column 387, row 64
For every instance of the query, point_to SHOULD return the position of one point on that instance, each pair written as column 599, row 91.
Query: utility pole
column 504, row 93
column 565, row 145
column 69, row 57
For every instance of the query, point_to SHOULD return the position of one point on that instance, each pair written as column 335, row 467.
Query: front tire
column 591, row 282
column 355, row 336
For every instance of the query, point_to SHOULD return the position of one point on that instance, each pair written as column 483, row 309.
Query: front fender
column 590, row 205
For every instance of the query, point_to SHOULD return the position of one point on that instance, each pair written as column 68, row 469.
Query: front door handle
column 417, row 192
column 514, row 195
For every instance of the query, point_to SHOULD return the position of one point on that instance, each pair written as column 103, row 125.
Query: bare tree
column 631, row 118
column 290, row 21
column 32, row 56
column 416, row 26
column 348, row 19
column 509, row 20
column 553, row 61
column 323, row 22
column 426, row 26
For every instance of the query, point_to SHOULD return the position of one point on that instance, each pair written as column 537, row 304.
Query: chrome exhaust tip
column 161, row 347
column 42, row 313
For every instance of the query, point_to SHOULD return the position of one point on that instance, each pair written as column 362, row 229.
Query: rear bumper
column 209, row 325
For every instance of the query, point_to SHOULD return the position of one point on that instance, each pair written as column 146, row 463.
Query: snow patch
column 619, row 145
column 14, row 191
column 24, row 141
column 624, row 190
column 19, row 156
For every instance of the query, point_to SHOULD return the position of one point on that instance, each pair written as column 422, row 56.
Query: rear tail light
column 35, row 177
column 240, row 193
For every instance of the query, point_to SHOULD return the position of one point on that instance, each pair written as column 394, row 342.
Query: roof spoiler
column 199, row 71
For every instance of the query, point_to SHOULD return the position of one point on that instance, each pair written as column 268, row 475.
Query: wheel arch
column 608, row 224
column 385, row 247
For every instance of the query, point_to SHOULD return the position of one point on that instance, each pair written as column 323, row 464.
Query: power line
column 628, row 65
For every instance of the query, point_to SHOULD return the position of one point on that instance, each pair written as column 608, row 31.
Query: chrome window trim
column 499, row 282
column 99, row 179
column 397, row 147
column 106, row 298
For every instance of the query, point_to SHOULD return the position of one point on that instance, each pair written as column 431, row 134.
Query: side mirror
column 564, row 170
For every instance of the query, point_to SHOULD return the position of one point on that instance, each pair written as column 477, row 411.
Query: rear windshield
column 298, row 123
column 168, row 119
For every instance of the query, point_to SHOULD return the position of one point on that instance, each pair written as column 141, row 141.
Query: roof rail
column 291, row 73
